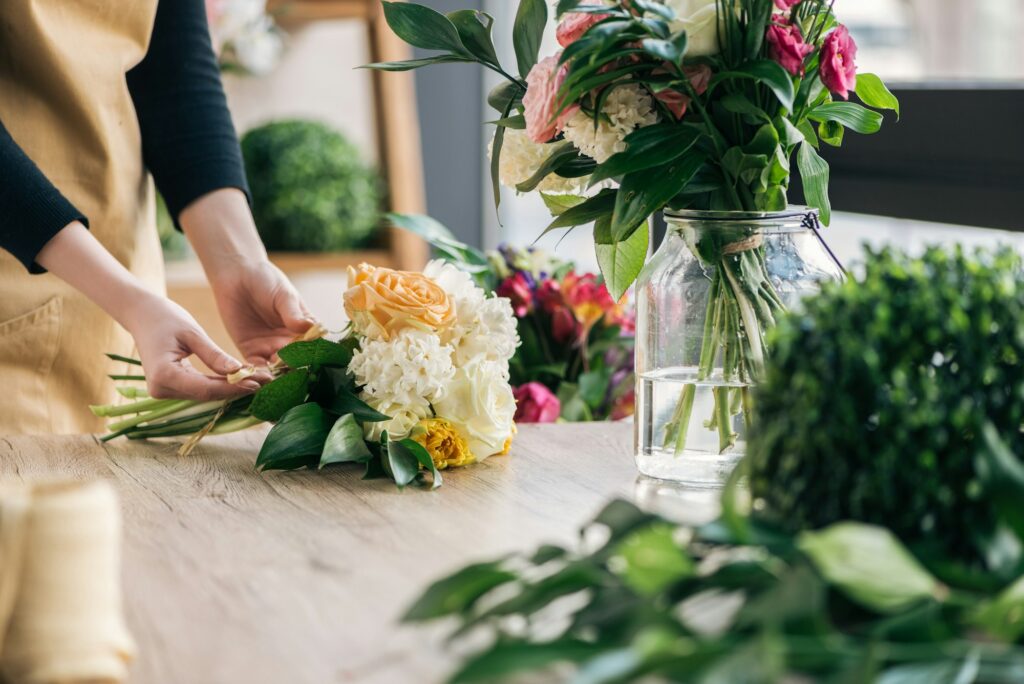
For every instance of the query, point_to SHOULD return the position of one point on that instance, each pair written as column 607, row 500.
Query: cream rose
column 480, row 404
column 699, row 18
column 382, row 301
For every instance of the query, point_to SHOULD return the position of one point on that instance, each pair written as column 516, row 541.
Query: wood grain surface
column 235, row 576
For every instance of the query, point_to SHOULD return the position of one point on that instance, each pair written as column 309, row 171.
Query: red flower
column 838, row 67
column 575, row 25
column 549, row 296
column 785, row 4
column 517, row 288
column 564, row 327
column 787, row 47
column 536, row 404
column 676, row 101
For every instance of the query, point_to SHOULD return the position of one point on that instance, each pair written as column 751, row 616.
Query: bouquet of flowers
column 575, row 362
column 668, row 104
column 418, row 382
column 245, row 37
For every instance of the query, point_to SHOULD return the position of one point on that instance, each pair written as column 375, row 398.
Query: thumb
column 293, row 312
column 215, row 358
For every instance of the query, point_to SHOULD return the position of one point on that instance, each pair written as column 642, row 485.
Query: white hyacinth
column 520, row 159
column 410, row 369
column 627, row 108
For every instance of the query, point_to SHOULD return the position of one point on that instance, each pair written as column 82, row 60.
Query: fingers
column 292, row 310
column 215, row 358
column 179, row 381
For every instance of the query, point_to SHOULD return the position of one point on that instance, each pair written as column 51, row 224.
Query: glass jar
column 704, row 303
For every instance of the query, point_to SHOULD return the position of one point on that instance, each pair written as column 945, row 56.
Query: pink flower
column 564, row 327
column 549, row 296
column 575, row 25
column 838, row 68
column 787, row 47
column 541, row 100
column 785, row 4
column 517, row 289
column 536, row 404
column 676, row 101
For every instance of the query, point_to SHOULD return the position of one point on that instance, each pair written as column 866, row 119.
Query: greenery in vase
column 882, row 543
column 668, row 104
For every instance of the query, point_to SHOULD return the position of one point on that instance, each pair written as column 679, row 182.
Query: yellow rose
column 382, row 301
column 443, row 442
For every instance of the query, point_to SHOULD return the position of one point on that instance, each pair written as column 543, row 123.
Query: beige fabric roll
column 60, row 587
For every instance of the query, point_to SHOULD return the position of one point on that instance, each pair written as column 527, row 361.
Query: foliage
column 576, row 340
column 899, row 400
column 727, row 603
column 311, row 191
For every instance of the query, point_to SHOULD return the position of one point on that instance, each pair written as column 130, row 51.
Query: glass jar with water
column 705, row 302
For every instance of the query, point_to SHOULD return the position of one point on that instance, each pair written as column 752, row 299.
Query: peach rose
column 541, row 100
column 382, row 301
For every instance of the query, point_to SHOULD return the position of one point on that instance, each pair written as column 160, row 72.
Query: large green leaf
column 344, row 403
column 423, row 27
column 645, row 192
column 770, row 74
column 474, row 28
column 942, row 672
column 646, row 147
column 871, row 566
column 275, row 398
column 653, row 560
column 814, row 174
column 849, row 114
column 316, row 353
column 559, row 204
column 422, row 456
column 296, row 441
column 528, row 32
column 561, row 154
column 409, row 64
column 345, row 443
column 620, row 260
column 594, row 208
column 496, row 145
column 509, row 657
column 458, row 593
column 672, row 50
column 438, row 235
column 872, row 92
column 505, row 96
column 400, row 463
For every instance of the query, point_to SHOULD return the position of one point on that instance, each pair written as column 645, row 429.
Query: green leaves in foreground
column 814, row 173
column 621, row 261
column 296, row 441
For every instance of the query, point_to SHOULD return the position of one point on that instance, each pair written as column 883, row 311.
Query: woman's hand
column 260, row 308
column 166, row 335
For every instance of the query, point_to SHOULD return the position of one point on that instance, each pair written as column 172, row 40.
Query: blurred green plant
column 899, row 400
column 173, row 242
column 311, row 191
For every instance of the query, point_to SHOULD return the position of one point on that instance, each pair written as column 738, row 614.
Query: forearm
column 76, row 257
column 220, row 228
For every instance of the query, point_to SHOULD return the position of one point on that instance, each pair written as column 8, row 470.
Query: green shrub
column 899, row 400
column 311, row 191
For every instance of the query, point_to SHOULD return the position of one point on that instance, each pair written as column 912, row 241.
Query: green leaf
column 474, row 28
column 566, row 6
column 423, row 27
column 345, row 443
column 410, row 64
column 831, row 133
column 561, row 153
column 849, row 114
column 509, row 657
column 645, row 192
column 770, row 74
column 528, row 32
column 457, row 593
column 275, row 398
column 401, row 463
column 344, row 403
column 574, row 409
column 738, row 103
column 442, row 239
column 593, row 386
column 646, row 147
column 943, row 672
column 499, row 142
column 594, row 208
column 518, row 122
column 505, row 96
column 1003, row 617
column 296, row 441
column 559, row 204
column 315, row 353
column 422, row 456
column 620, row 261
column 622, row 517
column 870, row 565
column 672, row 50
column 653, row 560
column 1002, row 475
column 872, row 92
column 814, row 174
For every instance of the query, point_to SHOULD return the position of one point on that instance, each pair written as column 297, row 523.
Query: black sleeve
column 32, row 210
column 188, row 141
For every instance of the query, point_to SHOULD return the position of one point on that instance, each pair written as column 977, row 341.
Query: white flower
column 411, row 368
column 479, row 403
column 699, row 18
column 626, row 108
column 404, row 418
column 484, row 328
column 520, row 159
column 245, row 33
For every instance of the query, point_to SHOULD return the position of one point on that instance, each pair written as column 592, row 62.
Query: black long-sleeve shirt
column 189, row 143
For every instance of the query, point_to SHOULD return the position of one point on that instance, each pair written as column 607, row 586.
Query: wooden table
column 235, row 576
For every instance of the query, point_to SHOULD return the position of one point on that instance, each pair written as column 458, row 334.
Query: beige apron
column 64, row 99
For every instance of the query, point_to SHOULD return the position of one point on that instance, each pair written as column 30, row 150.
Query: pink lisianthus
column 517, row 288
column 787, row 47
column 541, row 100
column 838, row 66
column 786, row 4
column 535, row 403
column 575, row 25
column 676, row 101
